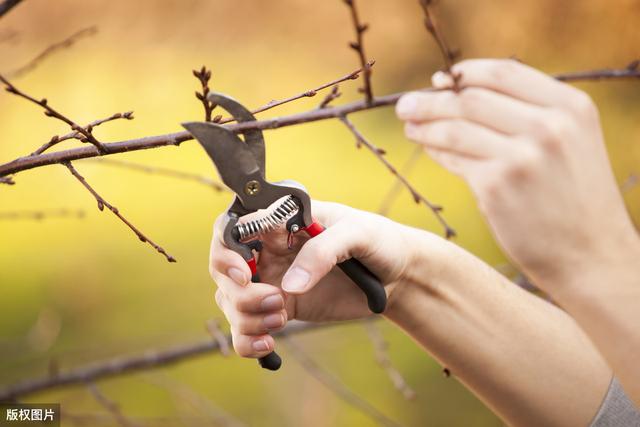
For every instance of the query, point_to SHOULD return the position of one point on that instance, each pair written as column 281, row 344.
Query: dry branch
column 204, row 75
column 358, row 46
column 331, row 96
column 156, row 170
column 7, row 5
column 111, row 406
column 7, row 180
column 381, row 349
column 448, row 55
column 417, row 197
column 51, row 49
column 41, row 215
column 336, row 386
column 26, row 163
column 128, row 115
column 50, row 112
column 102, row 203
column 124, row 365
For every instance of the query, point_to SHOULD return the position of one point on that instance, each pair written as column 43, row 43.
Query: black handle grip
column 367, row 282
column 271, row 361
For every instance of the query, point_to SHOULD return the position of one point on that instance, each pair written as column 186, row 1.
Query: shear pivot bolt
column 295, row 228
column 252, row 188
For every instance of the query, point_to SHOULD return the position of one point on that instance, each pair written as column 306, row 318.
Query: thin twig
column 102, row 203
column 417, row 197
column 7, row 180
column 204, row 75
column 41, row 215
column 336, row 386
column 25, row 163
column 381, row 347
column 632, row 71
column 358, row 46
column 50, row 112
column 156, row 170
column 128, row 115
column 7, row 5
column 127, row 364
column 111, row 406
column 448, row 55
column 51, row 49
column 213, row 327
column 394, row 191
column 331, row 96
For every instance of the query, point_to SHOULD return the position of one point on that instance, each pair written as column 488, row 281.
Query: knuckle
column 502, row 69
column 583, row 105
column 245, row 325
column 241, row 349
column 525, row 163
column 472, row 101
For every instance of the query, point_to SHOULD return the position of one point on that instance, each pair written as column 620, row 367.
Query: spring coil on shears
column 270, row 221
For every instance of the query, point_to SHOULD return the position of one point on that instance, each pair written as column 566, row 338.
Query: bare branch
column 155, row 170
column 336, row 386
column 50, row 112
column 102, row 203
column 51, row 49
column 128, row 115
column 334, row 94
column 417, row 197
column 7, row 5
column 111, row 406
column 632, row 71
column 358, row 46
column 213, row 327
column 381, row 347
column 25, row 163
column 7, row 180
column 41, row 215
column 394, row 191
column 203, row 75
column 448, row 55
column 124, row 365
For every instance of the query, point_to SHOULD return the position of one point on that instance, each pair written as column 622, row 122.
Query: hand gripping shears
column 241, row 165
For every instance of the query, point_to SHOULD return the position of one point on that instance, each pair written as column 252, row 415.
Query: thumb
column 320, row 254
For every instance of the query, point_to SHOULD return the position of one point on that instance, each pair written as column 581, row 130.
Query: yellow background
column 78, row 290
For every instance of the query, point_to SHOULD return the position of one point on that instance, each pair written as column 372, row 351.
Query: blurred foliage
column 77, row 290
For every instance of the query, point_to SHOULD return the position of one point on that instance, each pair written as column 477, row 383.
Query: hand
column 532, row 151
column 302, row 283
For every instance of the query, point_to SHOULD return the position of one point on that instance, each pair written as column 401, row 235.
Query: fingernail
column 406, row 105
column 272, row 303
column 260, row 345
column 273, row 321
column 441, row 80
column 237, row 276
column 295, row 280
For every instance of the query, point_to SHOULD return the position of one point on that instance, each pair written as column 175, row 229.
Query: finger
column 224, row 261
column 459, row 136
column 511, row 78
column 252, row 346
column 252, row 298
column 319, row 255
column 258, row 324
column 482, row 106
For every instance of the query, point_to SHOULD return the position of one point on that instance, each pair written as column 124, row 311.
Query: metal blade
column 232, row 157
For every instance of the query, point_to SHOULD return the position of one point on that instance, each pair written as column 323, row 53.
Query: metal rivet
column 252, row 188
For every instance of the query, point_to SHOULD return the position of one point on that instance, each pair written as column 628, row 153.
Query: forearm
column 604, row 298
column 523, row 357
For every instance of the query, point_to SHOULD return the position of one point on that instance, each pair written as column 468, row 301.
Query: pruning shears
column 241, row 166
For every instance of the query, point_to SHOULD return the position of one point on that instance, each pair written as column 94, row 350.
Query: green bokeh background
column 78, row 290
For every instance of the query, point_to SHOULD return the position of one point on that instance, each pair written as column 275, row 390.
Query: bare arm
column 532, row 151
column 523, row 357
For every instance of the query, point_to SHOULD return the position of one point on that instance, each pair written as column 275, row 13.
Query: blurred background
column 75, row 290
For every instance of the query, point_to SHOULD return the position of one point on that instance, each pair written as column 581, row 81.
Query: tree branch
column 51, row 49
column 26, row 163
column 146, row 360
column 448, row 55
column 337, row 386
column 203, row 75
column 358, row 46
column 7, row 5
column 417, row 197
column 40, row 215
column 102, row 203
column 50, row 112
column 111, row 406
column 155, row 170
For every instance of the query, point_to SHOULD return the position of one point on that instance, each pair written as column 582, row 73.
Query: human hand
column 532, row 151
column 302, row 283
